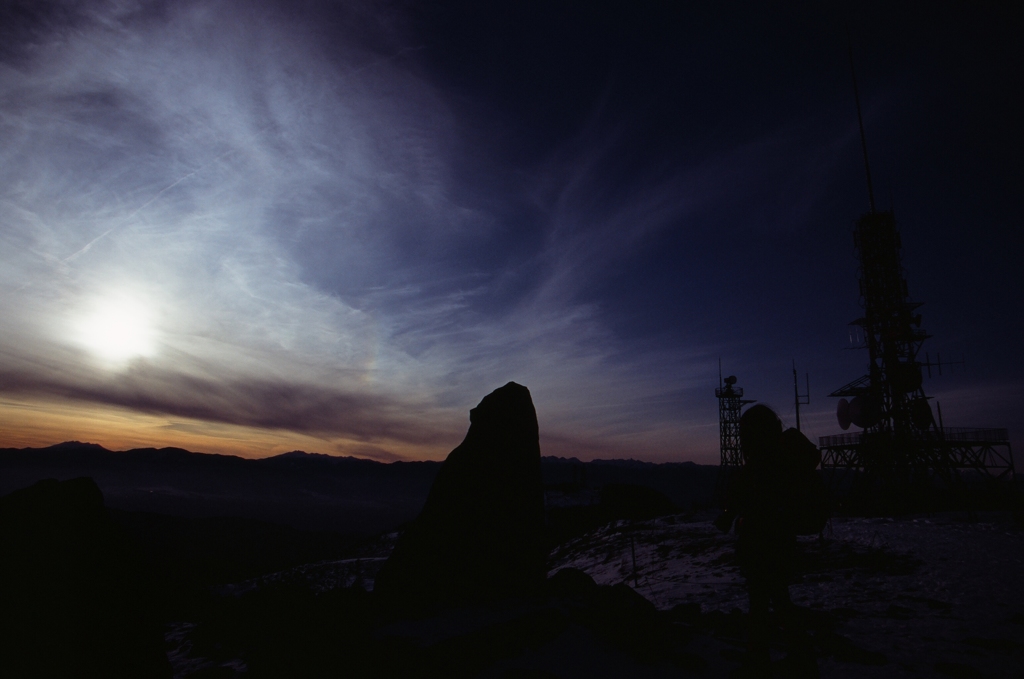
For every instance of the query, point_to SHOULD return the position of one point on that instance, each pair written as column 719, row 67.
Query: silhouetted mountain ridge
column 310, row 491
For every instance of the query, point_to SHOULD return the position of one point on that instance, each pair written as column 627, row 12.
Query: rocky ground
column 924, row 596
column 920, row 596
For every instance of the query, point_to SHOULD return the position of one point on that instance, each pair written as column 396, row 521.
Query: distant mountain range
column 346, row 495
column 312, row 492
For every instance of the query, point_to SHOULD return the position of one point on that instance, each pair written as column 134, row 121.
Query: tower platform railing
column 957, row 434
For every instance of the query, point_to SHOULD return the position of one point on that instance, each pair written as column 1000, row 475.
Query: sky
column 250, row 227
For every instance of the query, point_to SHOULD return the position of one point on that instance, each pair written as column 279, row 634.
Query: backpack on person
column 809, row 499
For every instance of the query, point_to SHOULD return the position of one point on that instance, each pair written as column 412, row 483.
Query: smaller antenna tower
column 730, row 406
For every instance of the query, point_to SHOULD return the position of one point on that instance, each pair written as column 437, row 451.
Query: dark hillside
column 344, row 495
column 686, row 484
column 312, row 492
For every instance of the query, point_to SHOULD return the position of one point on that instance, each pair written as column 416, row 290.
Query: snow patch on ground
column 938, row 596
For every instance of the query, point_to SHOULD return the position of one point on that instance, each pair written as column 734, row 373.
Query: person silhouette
column 761, row 499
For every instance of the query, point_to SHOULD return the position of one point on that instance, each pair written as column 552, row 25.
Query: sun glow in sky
column 117, row 329
column 243, row 225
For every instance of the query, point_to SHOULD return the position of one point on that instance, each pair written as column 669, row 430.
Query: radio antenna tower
column 730, row 407
column 900, row 440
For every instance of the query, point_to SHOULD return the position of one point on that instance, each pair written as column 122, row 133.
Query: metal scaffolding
column 730, row 406
column 901, row 440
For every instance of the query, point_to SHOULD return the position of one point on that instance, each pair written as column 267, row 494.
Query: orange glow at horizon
column 37, row 424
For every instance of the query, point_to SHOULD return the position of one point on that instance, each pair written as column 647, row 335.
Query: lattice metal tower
column 730, row 406
column 901, row 439
column 891, row 398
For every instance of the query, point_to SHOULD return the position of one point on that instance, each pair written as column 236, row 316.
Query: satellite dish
column 855, row 406
column 864, row 411
column 730, row 380
column 843, row 414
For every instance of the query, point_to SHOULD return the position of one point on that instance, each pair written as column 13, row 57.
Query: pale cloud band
column 273, row 227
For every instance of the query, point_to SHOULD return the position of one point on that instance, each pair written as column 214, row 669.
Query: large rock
column 74, row 591
column 480, row 536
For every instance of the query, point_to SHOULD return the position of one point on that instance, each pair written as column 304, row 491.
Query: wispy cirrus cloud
column 273, row 217
column 287, row 212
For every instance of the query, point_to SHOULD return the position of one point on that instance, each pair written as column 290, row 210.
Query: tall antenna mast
column 860, row 123
column 901, row 444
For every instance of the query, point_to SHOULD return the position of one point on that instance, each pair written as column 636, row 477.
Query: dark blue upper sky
column 337, row 225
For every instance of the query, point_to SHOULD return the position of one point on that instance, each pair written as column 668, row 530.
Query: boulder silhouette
column 480, row 535
column 74, row 591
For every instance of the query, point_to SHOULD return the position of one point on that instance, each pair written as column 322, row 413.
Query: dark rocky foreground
column 918, row 597
column 95, row 591
column 480, row 536
column 75, row 594
column 636, row 588
column 463, row 592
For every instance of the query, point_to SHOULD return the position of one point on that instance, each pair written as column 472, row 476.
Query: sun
column 118, row 329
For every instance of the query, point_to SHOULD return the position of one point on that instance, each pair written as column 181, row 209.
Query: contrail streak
column 76, row 255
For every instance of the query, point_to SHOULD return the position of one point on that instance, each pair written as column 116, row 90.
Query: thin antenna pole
column 807, row 387
column 860, row 123
column 719, row 372
column 632, row 547
column 796, row 396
